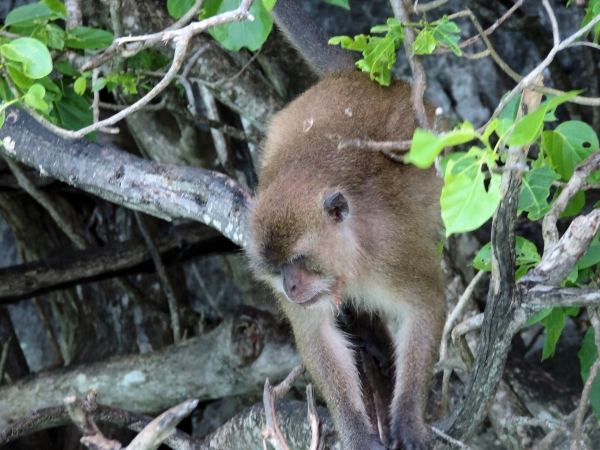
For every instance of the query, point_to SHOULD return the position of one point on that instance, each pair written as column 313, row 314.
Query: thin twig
column 58, row 214
column 419, row 79
column 60, row 361
column 128, row 52
column 552, row 16
column 419, row 9
column 162, row 275
column 271, row 432
column 282, row 388
column 449, row 439
column 585, row 395
column 4, row 357
column 527, row 80
column 313, row 418
column 456, row 312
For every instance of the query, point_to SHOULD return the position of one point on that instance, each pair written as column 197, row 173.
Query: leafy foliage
column 379, row 53
column 587, row 356
column 443, row 32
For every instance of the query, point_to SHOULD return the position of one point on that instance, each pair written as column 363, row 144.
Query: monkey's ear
column 336, row 207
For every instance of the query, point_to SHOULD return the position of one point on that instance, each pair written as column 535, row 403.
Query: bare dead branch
column 419, row 79
column 162, row 427
column 283, row 388
column 271, row 433
column 561, row 259
column 162, row 275
column 580, row 174
column 157, row 189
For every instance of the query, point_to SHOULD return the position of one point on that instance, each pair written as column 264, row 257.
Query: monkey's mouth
column 311, row 300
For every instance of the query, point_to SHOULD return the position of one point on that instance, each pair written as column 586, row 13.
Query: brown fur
column 382, row 254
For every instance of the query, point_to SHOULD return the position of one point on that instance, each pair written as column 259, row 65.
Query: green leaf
column 569, row 144
column 270, row 4
column 575, row 206
column 592, row 255
column 554, row 323
column 56, row 36
column 34, row 56
column 483, row 259
column 177, row 8
column 537, row 317
column 79, row 85
column 424, row 43
column 530, row 125
column 73, row 111
column 28, row 15
column 341, row 3
column 447, row 32
column 508, row 115
column 88, row 38
column 58, row 7
column 2, row 118
column 426, row 146
column 19, row 78
column 525, row 251
column 233, row 36
column 379, row 53
column 587, row 357
column 592, row 11
column 35, row 97
column 466, row 204
column 535, row 191
column 99, row 84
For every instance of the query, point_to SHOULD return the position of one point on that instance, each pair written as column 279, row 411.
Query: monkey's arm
column 329, row 359
column 416, row 334
column 310, row 40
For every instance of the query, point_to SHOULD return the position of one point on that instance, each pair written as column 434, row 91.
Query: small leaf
column 56, row 36
column 99, row 84
column 483, row 259
column 235, row 35
column 530, row 126
column 587, row 357
column 35, row 97
column 535, row 191
column 554, row 324
column 341, row 3
column 575, row 206
column 424, row 43
column 2, row 118
column 466, row 204
column 58, row 7
column 426, row 146
column 34, row 56
column 448, row 32
column 177, row 8
column 88, row 38
column 79, row 85
column 270, row 4
column 569, row 144
column 28, row 15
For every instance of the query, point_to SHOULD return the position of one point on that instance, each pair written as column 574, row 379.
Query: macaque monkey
column 330, row 226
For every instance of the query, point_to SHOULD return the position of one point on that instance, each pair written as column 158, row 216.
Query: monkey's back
column 301, row 151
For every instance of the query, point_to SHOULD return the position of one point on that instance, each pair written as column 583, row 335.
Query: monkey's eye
column 298, row 258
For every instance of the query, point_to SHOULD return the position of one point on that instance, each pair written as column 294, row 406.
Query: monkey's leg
column 416, row 336
column 328, row 357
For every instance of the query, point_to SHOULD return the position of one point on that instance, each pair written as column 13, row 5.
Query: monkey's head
column 303, row 242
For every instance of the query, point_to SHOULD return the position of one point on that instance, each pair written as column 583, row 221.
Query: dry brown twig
column 271, row 432
column 181, row 38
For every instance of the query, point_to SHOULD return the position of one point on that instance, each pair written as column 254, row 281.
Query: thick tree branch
column 234, row 358
column 161, row 190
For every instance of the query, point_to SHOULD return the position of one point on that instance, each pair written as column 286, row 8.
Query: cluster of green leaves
column 379, row 53
column 443, row 31
column 471, row 192
column 26, row 63
column 54, row 89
